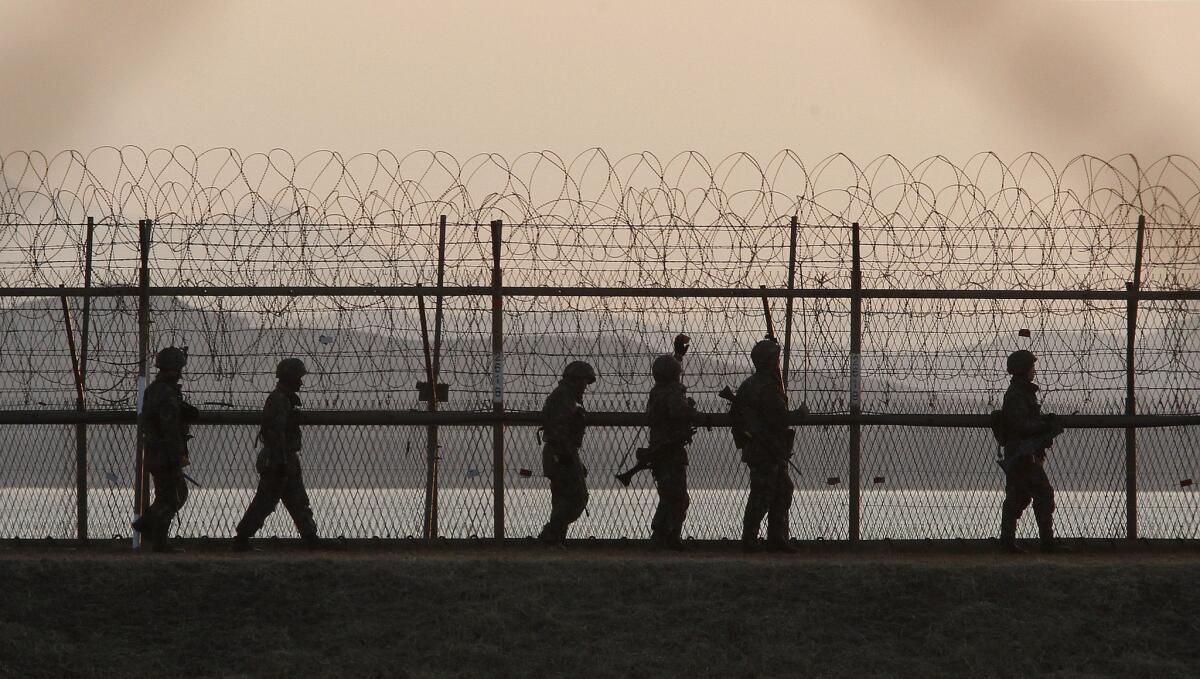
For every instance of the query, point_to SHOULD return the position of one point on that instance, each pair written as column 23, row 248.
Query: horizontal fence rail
column 331, row 418
column 653, row 293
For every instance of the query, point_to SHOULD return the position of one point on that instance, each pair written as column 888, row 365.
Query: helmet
column 1019, row 362
column 290, row 368
column 765, row 353
column 171, row 358
column 579, row 370
column 666, row 369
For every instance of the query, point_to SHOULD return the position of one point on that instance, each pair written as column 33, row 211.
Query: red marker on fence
column 878, row 479
column 525, row 473
column 1024, row 332
column 1185, row 483
column 832, row 481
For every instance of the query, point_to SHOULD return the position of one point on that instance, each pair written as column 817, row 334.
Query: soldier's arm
column 170, row 424
column 275, row 419
column 556, row 414
column 680, row 407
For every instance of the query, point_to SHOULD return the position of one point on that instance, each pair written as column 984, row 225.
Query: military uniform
column 164, row 424
column 1029, row 433
column 762, row 413
column 563, row 431
column 670, row 413
column 278, row 465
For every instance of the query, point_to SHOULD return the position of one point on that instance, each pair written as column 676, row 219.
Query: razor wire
column 224, row 218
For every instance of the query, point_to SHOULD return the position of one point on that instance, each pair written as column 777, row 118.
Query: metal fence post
column 432, row 454
column 81, row 447
column 855, row 384
column 1131, row 489
column 498, row 383
column 142, row 481
column 787, row 321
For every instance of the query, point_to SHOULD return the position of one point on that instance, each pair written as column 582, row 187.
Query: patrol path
column 597, row 610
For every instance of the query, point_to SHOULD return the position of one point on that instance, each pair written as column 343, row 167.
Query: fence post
column 81, row 447
column 430, row 529
column 787, row 321
column 855, row 384
column 1131, row 490
column 498, row 384
column 142, row 480
column 432, row 454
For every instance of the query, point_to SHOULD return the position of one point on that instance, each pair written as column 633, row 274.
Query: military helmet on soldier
column 764, row 353
column 290, row 368
column 1020, row 362
column 579, row 370
column 666, row 369
column 171, row 358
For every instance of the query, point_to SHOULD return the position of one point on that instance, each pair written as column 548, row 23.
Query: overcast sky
column 866, row 78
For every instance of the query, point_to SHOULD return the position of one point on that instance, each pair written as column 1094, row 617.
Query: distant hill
column 360, row 360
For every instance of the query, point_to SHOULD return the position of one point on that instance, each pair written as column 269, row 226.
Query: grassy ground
column 596, row 612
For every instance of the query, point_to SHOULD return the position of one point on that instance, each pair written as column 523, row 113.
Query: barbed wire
column 231, row 219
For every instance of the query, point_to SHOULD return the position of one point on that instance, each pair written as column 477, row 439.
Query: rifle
column 803, row 409
column 1030, row 446
column 645, row 456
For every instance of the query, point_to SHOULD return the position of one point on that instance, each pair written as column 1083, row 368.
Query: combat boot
column 1008, row 535
column 1046, row 533
column 160, row 542
column 781, row 547
column 1055, row 547
column 141, row 524
column 750, row 539
column 242, row 544
column 312, row 542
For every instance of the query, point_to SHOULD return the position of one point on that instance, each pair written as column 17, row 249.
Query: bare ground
column 599, row 610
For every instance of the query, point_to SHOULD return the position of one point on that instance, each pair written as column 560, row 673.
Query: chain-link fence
column 252, row 258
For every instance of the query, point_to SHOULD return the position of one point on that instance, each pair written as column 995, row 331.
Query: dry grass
column 595, row 613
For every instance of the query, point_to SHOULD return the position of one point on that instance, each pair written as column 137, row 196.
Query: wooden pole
column 81, row 447
column 141, row 474
column 433, row 454
column 787, row 321
column 498, row 382
column 855, row 384
column 430, row 529
column 1131, row 488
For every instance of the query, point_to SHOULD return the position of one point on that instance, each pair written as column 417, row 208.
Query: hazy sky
column 909, row 78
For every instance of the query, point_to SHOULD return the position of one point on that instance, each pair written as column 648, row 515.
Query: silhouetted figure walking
column 563, row 435
column 278, row 463
column 164, row 423
column 1028, row 433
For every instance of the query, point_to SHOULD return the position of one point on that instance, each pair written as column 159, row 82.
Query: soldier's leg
column 266, row 498
column 1016, row 498
column 575, row 497
column 1043, row 502
column 295, row 500
column 758, row 503
column 170, row 492
column 778, row 530
column 672, row 504
column 660, row 525
column 553, row 530
column 681, row 500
